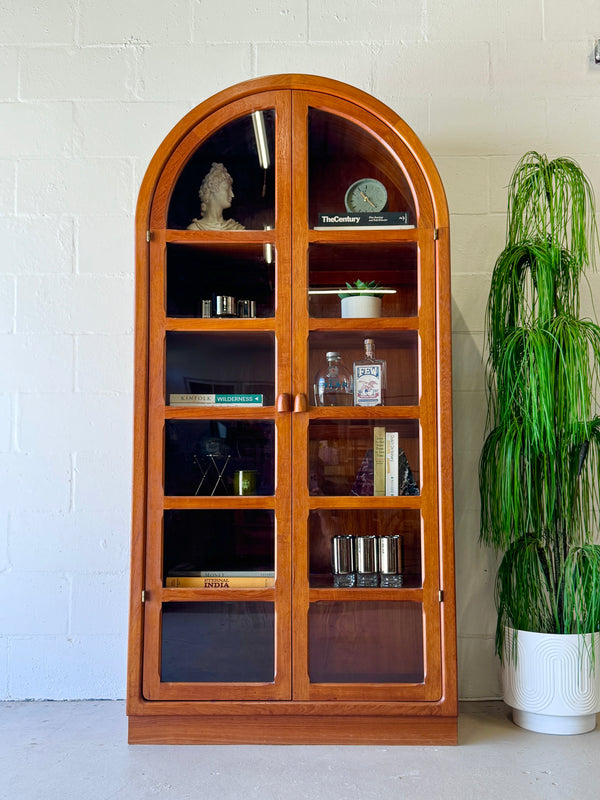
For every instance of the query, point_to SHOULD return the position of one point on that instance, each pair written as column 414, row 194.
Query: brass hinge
column 148, row 236
column 143, row 596
column 441, row 595
column 436, row 234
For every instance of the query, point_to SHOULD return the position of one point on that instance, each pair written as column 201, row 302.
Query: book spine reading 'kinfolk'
column 225, row 582
column 216, row 399
column 391, row 464
column 358, row 219
column 379, row 462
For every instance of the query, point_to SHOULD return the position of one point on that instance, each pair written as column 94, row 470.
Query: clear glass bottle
column 333, row 383
column 369, row 378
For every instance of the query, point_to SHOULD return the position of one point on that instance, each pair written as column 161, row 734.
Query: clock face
column 366, row 194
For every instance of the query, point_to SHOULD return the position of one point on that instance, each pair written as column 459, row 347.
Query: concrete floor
column 79, row 751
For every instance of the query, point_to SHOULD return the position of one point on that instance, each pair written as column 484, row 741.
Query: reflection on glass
column 260, row 136
column 196, row 276
column 399, row 349
column 342, row 460
column 243, row 154
column 392, row 265
column 206, row 642
column 219, row 541
column 326, row 524
column 202, row 456
column 369, row 642
column 341, row 153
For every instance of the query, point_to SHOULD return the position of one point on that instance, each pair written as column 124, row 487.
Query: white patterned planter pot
column 552, row 687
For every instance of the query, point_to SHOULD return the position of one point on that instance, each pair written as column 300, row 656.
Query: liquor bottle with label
column 333, row 383
column 369, row 378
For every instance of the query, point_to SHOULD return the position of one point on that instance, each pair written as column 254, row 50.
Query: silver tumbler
column 342, row 561
column 206, row 308
column 367, row 561
column 225, row 306
column 390, row 561
column 246, row 308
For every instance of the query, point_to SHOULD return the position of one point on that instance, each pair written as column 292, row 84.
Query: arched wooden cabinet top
column 333, row 124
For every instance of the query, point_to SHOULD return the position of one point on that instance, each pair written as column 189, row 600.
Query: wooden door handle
column 284, row 402
column 300, row 403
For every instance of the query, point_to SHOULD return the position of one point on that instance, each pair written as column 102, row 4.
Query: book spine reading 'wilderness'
column 216, row 399
column 224, row 582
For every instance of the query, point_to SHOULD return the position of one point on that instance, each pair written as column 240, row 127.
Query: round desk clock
column 367, row 194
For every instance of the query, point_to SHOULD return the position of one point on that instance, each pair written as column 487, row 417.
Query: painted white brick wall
column 87, row 92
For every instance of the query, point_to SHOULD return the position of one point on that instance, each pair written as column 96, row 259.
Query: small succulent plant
column 362, row 287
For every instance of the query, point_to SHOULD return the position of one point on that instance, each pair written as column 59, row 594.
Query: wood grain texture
column 294, row 730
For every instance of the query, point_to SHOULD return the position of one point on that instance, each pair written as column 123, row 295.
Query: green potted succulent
column 361, row 299
column 539, row 470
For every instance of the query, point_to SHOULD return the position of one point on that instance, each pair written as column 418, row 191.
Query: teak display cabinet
column 263, row 486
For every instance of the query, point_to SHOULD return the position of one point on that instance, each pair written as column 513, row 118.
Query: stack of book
column 226, row 579
column 385, row 471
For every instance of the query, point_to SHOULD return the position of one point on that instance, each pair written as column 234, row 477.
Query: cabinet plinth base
column 293, row 730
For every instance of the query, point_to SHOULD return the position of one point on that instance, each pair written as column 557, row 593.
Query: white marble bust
column 215, row 194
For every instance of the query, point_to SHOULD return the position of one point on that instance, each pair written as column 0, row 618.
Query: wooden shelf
column 218, row 501
column 358, row 595
column 373, row 324
column 335, row 235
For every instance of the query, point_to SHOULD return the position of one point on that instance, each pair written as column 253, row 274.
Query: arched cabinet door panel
column 281, row 427
column 363, row 213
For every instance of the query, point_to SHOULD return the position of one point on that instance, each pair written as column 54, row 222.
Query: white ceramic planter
column 358, row 305
column 551, row 687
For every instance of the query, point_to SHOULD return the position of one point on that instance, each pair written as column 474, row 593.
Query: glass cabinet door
column 366, row 567
column 218, row 573
column 281, row 417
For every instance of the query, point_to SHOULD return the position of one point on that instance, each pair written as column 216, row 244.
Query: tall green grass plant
column 539, row 470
